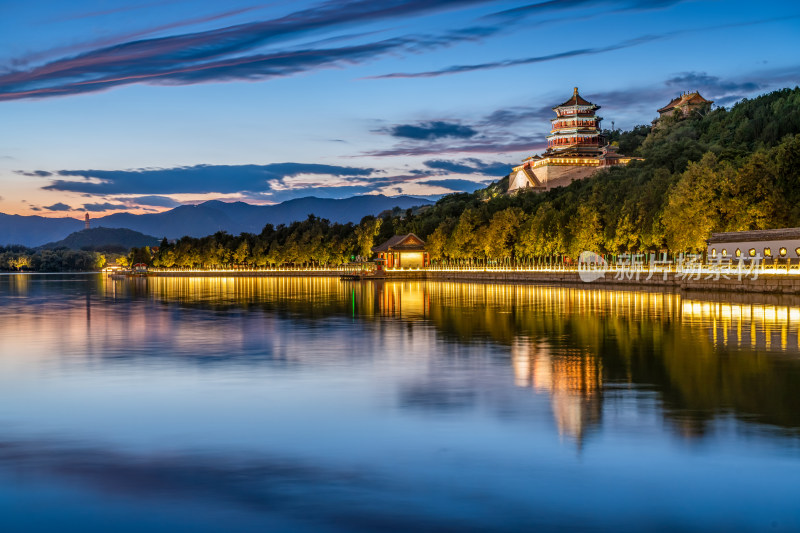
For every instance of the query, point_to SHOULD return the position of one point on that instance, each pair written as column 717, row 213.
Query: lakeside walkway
column 766, row 279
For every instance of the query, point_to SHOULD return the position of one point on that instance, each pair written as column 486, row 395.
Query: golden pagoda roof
column 576, row 99
column 684, row 100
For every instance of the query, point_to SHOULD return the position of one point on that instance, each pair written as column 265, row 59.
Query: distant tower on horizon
column 87, row 221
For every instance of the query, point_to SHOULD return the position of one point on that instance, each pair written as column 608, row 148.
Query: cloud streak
column 224, row 53
column 460, row 69
column 120, row 38
column 237, row 52
column 557, row 5
column 198, row 179
column 152, row 201
column 469, row 166
column 644, row 39
column 106, row 206
column 60, row 206
column 456, row 185
column 432, row 130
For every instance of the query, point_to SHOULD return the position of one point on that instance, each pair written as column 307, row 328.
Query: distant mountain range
column 104, row 239
column 205, row 219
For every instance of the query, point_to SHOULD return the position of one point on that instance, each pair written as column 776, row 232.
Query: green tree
column 586, row 232
column 365, row 232
column 697, row 204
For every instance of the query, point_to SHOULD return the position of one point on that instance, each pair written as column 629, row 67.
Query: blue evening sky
column 115, row 105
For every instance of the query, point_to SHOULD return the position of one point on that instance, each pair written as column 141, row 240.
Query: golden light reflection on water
column 758, row 325
column 706, row 355
column 573, row 381
column 568, row 342
column 757, row 322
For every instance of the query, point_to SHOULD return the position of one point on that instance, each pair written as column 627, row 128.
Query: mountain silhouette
column 205, row 219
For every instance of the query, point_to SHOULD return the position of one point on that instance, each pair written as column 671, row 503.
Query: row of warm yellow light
column 752, row 252
column 703, row 271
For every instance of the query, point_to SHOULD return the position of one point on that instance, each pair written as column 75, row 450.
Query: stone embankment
column 778, row 283
column 245, row 273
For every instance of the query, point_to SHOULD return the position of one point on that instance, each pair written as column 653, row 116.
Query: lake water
column 231, row 404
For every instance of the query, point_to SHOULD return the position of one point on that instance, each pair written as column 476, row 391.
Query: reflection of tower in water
column 573, row 379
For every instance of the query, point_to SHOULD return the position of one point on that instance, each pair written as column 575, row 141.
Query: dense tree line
column 715, row 170
column 311, row 242
column 22, row 259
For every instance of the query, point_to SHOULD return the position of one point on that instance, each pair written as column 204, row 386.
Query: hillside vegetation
column 103, row 240
column 720, row 170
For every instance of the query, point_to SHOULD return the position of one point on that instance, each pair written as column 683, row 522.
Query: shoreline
column 772, row 283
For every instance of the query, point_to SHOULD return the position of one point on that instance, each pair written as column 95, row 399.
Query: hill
column 206, row 218
column 726, row 169
column 238, row 217
column 104, row 239
column 35, row 230
column 722, row 170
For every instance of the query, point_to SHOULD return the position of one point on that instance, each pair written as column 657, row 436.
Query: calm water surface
column 229, row 404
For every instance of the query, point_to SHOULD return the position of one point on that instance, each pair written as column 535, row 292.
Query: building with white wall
column 766, row 244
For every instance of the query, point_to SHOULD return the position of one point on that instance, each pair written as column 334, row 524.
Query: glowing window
column 738, row 252
column 713, row 252
column 752, row 252
column 767, row 252
column 724, row 252
column 797, row 252
column 782, row 251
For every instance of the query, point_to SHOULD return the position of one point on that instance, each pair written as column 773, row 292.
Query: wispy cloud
column 197, row 179
column 237, row 52
column 222, row 54
column 644, row 39
column 151, row 201
column 491, row 146
column 456, row 185
column 57, row 207
column 459, row 69
column 539, row 8
column 35, row 173
column 469, row 166
column 106, row 206
column 436, row 129
column 705, row 81
column 121, row 38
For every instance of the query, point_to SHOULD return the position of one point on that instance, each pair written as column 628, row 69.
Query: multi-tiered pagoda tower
column 575, row 130
column 575, row 149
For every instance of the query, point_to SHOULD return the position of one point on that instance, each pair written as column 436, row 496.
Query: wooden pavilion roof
column 401, row 243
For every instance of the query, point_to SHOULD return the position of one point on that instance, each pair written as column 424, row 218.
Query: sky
column 109, row 106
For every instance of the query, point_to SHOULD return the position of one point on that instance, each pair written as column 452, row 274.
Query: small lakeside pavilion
column 403, row 251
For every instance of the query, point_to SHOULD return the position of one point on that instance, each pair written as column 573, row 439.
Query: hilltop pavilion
column 575, row 149
column 684, row 104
